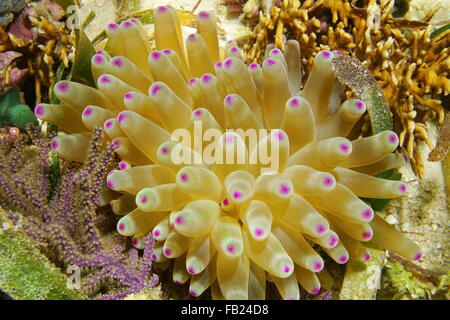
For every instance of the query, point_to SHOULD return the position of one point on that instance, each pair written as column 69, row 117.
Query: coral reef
column 409, row 63
column 34, row 42
column 56, row 207
column 231, row 224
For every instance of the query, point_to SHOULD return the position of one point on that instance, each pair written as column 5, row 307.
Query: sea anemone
column 231, row 224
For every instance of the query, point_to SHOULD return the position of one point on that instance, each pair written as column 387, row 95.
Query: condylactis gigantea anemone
column 234, row 226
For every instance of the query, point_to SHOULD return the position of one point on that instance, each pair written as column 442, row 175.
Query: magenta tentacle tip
column 143, row 198
column 198, row 113
column 128, row 96
column 116, row 144
column 62, row 87
column 123, row 165
column 162, row 9
column 101, row 52
column 367, row 256
column 320, row 229
column 338, row 52
column 177, row 282
column 315, row 290
column 117, row 62
column 343, row 259
column 279, row 135
column 88, row 112
column 156, row 233
column 206, row 77
column 219, row 64
column 167, row 51
column 203, row 14
column 105, row 79
column 134, row 242
column 179, row 220
column 360, row 105
column 229, row 100
column 191, row 270
column 328, row 181
column 286, row 269
column 228, row 63
column 270, row 62
column 127, row 24
column 39, row 110
column 234, row 49
column 393, row 138
column 345, row 148
column 326, row 54
column 167, row 252
column 285, row 189
column 318, row 266
column 229, row 139
column 418, row 256
column 295, row 102
column 367, row 235
column 193, row 293
column 192, row 37
column 112, row 26
column 259, row 232
column 121, row 117
column 225, row 202
column 165, row 150
column 155, row 55
column 231, row 249
column 54, row 145
column 192, row 81
column 110, row 184
column 155, row 89
column 367, row 214
column 237, row 194
column 108, row 124
column 121, row 227
column 154, row 257
column 275, row 51
column 403, row 188
column 99, row 59
column 333, row 241
column 184, row 177
column 253, row 66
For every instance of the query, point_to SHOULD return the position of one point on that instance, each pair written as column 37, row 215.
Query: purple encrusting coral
column 69, row 227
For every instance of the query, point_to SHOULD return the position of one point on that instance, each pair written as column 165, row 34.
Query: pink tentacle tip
column 165, row 150
column 259, row 232
column 198, row 113
column 156, row 233
column 253, row 66
column 203, row 14
column 225, row 202
column 117, row 62
column 228, row 63
column 155, row 55
column 116, row 144
column 105, row 79
column 128, row 96
column 326, row 54
column 328, row 181
column 367, row 257
column 295, row 102
column 88, row 112
column 193, row 293
column 62, row 87
column 167, row 252
column 275, row 51
column 418, row 256
column 360, row 105
column 343, row 259
column 393, row 138
column 219, row 64
column 403, row 188
column 121, row 227
column 231, row 249
column 162, row 9
column 134, row 242
column 279, row 135
column 367, row 235
column 39, row 110
column 287, row 269
column 237, row 194
column 234, row 49
column 191, row 270
column 345, row 148
column 318, row 266
column 333, row 241
column 285, row 189
column 99, row 59
column 155, row 89
column 101, row 52
column 270, row 62
column 367, row 214
column 192, row 81
column 108, row 124
column 320, row 229
column 177, row 282
column 192, row 37
column 123, row 165
column 112, row 26
column 127, row 24
column 167, row 51
column 54, row 145
column 143, row 198
column 134, row 20
column 315, row 290
column 179, row 220
column 229, row 139
column 206, row 77
column 110, row 184
column 154, row 257
column 121, row 117
column 229, row 100
column 184, row 177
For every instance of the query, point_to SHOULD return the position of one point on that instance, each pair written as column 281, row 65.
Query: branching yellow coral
column 234, row 208
column 408, row 64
